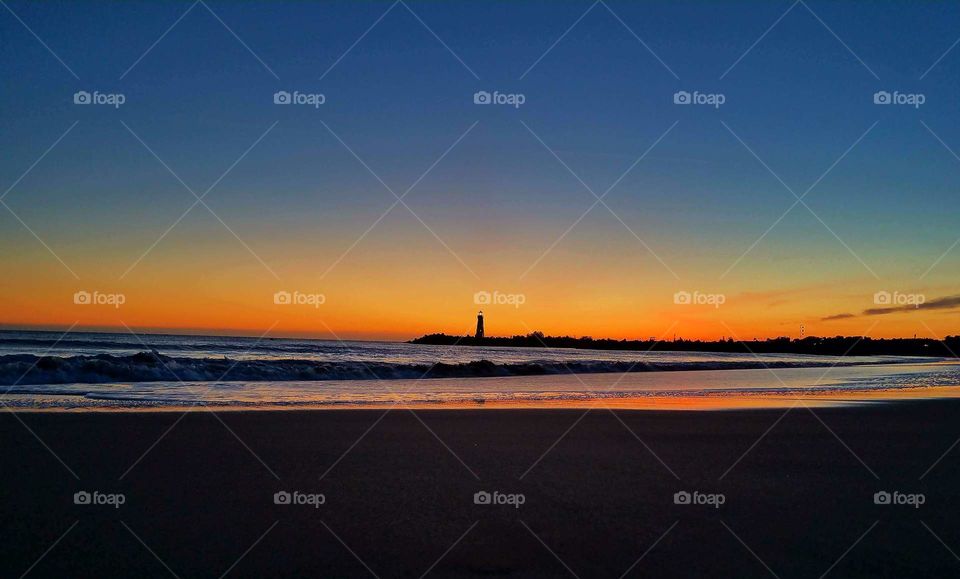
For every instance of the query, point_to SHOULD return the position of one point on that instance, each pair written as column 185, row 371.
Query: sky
column 396, row 206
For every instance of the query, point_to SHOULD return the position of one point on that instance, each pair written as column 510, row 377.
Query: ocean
column 45, row 370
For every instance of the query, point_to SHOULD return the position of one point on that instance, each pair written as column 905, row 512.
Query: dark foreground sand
column 399, row 503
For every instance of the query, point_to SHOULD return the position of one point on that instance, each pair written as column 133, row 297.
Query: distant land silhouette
column 835, row 346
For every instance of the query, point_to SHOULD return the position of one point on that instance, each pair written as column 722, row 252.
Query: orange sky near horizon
column 370, row 298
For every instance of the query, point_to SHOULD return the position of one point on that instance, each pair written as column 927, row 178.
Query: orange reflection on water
column 668, row 403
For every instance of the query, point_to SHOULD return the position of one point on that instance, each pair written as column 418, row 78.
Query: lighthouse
column 479, row 325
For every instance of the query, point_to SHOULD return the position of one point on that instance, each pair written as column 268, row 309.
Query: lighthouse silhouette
column 479, row 325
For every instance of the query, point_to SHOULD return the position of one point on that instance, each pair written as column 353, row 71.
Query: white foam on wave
column 154, row 367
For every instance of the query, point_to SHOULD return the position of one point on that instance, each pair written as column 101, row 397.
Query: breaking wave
column 154, row 367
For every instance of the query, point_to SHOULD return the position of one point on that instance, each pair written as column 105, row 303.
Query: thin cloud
column 838, row 317
column 944, row 303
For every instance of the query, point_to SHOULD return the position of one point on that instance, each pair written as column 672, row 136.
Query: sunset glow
column 401, row 193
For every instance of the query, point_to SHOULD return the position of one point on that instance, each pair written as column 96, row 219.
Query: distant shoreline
column 815, row 346
column 949, row 347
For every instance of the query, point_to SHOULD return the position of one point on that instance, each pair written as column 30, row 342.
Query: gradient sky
column 491, row 207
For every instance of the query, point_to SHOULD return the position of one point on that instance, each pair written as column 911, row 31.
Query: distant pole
column 479, row 325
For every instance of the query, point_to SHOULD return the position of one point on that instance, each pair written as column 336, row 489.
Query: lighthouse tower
column 479, row 325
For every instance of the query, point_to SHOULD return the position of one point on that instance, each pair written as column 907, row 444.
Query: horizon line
column 254, row 334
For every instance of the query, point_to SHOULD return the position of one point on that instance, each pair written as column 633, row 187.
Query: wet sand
column 598, row 498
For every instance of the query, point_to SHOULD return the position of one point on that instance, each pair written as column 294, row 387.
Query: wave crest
column 155, row 367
